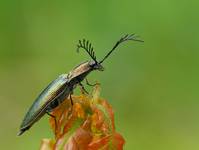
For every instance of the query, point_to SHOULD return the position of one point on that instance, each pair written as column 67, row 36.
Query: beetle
column 62, row 87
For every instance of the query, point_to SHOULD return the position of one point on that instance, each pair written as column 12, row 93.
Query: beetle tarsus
column 54, row 117
column 87, row 82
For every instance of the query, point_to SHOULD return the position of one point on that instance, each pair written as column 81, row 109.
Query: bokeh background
column 153, row 86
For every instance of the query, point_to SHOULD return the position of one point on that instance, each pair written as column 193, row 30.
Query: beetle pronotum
column 63, row 86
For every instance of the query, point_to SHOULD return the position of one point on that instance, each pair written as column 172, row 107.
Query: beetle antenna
column 86, row 45
column 127, row 37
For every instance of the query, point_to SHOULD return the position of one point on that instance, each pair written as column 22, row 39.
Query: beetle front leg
column 82, row 88
column 87, row 82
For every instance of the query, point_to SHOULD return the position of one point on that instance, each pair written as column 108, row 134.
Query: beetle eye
column 92, row 63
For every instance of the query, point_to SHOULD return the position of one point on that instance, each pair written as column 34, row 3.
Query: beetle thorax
column 81, row 69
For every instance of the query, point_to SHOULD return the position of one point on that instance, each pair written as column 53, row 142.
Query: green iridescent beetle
column 63, row 86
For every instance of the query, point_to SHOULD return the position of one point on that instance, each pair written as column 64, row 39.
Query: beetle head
column 96, row 66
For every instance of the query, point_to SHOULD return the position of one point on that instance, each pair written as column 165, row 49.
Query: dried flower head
column 87, row 125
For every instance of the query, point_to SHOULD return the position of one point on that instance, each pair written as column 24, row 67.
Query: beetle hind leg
column 54, row 117
column 71, row 100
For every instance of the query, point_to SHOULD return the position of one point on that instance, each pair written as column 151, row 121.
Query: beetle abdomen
column 57, row 89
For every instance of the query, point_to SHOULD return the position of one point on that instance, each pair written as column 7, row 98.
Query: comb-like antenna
column 86, row 45
column 127, row 37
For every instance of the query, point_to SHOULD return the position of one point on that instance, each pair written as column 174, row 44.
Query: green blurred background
column 153, row 86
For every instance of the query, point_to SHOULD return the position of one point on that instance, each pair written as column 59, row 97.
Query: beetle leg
column 71, row 100
column 70, row 110
column 82, row 88
column 54, row 120
column 87, row 82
